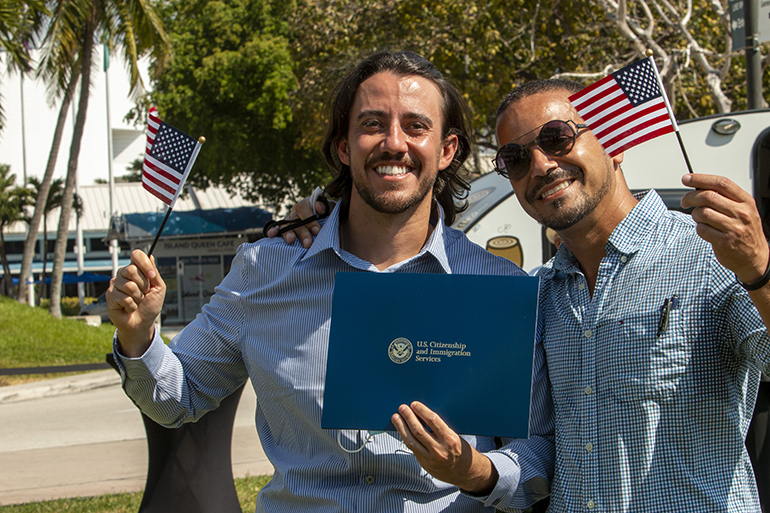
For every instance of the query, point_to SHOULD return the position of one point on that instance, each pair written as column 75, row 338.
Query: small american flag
column 168, row 159
column 626, row 108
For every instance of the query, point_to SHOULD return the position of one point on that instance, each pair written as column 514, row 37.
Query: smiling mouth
column 392, row 170
column 555, row 189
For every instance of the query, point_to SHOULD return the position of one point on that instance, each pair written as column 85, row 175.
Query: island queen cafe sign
column 190, row 247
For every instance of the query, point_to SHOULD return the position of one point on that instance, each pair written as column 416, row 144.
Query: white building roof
column 131, row 198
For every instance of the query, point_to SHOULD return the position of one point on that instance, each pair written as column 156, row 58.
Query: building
column 194, row 253
column 205, row 228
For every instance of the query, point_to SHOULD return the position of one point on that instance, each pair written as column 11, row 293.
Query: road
column 81, row 436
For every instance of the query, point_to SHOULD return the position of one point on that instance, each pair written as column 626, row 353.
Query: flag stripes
column 625, row 108
column 169, row 155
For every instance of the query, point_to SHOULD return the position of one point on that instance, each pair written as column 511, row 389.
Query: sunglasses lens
column 515, row 160
column 556, row 138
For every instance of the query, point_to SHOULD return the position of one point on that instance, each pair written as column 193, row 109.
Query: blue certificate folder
column 460, row 344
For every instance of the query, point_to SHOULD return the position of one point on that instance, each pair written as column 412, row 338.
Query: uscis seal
column 400, row 350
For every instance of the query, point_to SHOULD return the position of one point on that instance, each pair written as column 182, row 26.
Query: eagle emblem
column 400, row 350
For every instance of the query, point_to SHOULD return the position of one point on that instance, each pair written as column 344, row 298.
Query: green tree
column 230, row 80
column 77, row 26
column 19, row 19
column 13, row 199
column 53, row 200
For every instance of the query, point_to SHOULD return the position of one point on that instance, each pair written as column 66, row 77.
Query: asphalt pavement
column 81, row 436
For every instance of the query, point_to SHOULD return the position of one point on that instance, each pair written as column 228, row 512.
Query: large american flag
column 168, row 159
column 626, row 108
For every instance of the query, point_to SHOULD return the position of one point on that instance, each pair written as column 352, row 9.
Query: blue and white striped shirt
column 269, row 321
column 648, row 422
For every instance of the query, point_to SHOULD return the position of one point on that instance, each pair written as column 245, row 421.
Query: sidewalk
column 81, row 436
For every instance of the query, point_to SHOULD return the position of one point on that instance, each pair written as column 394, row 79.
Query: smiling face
column 558, row 192
column 394, row 146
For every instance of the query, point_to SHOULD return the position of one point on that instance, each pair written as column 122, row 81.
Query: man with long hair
column 397, row 136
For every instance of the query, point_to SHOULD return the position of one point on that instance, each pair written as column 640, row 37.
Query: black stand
column 190, row 468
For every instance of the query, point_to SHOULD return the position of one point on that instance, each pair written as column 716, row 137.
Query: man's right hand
column 301, row 210
column 134, row 300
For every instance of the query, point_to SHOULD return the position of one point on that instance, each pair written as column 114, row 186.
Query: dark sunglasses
column 556, row 139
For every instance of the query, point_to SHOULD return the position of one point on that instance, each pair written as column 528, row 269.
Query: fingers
column 305, row 233
column 441, row 451
column 132, row 283
column 727, row 217
column 423, row 430
column 723, row 185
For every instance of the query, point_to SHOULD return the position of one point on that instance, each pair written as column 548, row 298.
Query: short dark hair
column 538, row 86
column 449, row 184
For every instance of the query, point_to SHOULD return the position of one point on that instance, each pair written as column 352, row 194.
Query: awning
column 74, row 278
column 221, row 222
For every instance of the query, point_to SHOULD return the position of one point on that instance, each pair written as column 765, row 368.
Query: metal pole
column 23, row 134
column 114, row 249
column 753, row 56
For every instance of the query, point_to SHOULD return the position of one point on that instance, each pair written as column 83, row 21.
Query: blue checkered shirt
column 645, row 422
column 269, row 322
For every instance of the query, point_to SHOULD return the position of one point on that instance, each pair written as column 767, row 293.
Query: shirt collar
column 629, row 235
column 329, row 239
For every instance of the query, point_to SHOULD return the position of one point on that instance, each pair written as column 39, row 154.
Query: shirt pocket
column 642, row 366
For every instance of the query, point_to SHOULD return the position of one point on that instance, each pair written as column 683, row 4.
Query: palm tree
column 13, row 199
column 18, row 20
column 76, row 26
column 53, row 200
column 44, row 186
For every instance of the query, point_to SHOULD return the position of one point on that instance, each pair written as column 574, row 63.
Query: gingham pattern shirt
column 269, row 321
column 644, row 422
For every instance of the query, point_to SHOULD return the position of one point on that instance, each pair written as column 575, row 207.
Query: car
column 98, row 307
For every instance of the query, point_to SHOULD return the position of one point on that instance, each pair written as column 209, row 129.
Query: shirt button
column 581, row 286
column 589, row 447
column 624, row 259
column 369, row 479
column 589, row 390
column 591, row 504
column 587, row 333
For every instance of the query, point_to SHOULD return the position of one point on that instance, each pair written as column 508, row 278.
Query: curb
column 59, row 386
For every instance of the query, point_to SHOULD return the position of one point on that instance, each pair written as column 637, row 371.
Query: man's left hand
column 727, row 217
column 442, row 452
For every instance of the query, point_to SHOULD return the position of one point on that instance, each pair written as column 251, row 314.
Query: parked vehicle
column 98, row 307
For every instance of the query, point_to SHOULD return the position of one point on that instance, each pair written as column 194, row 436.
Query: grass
column 32, row 337
column 246, row 488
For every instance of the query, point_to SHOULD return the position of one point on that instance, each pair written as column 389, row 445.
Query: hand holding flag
column 627, row 108
column 168, row 160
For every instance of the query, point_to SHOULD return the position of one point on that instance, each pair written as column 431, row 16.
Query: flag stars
column 638, row 82
column 172, row 147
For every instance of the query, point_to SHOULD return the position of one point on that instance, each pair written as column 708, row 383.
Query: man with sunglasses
column 654, row 323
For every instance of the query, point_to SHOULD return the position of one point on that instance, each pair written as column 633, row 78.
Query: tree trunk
column 7, row 284
column 45, row 185
column 60, row 249
column 43, row 286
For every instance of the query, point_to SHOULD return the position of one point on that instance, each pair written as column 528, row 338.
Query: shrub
column 70, row 306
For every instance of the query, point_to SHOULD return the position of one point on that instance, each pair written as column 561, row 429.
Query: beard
column 560, row 217
column 395, row 201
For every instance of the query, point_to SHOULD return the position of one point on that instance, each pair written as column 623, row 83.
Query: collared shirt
column 269, row 321
column 652, row 416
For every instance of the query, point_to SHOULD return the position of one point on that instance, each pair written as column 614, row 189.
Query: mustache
column 542, row 182
column 401, row 158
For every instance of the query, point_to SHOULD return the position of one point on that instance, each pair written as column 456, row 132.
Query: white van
column 735, row 145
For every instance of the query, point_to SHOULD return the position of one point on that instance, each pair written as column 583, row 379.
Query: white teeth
column 556, row 189
column 392, row 170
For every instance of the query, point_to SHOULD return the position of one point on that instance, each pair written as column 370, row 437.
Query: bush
column 70, row 306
